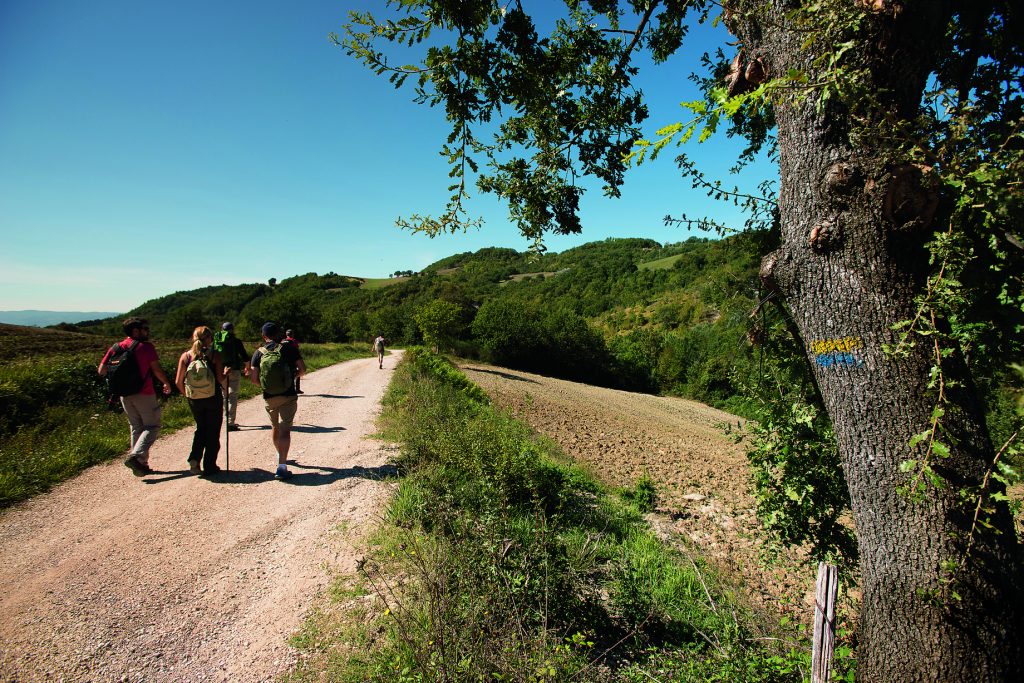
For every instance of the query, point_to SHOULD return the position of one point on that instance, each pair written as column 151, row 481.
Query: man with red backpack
column 129, row 367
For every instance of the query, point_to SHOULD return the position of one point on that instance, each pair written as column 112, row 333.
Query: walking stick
column 227, row 429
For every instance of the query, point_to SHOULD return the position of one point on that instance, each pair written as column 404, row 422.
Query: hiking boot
column 193, row 467
column 234, row 428
column 282, row 473
column 210, row 471
column 137, row 468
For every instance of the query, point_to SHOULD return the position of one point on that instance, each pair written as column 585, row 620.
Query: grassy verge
column 62, row 423
column 502, row 562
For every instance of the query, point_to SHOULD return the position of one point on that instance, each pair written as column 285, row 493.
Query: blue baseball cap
column 270, row 329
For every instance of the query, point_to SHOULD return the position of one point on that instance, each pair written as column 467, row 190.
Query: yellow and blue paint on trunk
column 844, row 352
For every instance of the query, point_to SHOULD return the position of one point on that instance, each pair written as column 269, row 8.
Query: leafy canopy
column 529, row 115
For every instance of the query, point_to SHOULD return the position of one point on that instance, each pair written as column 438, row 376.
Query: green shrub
column 28, row 388
column 645, row 494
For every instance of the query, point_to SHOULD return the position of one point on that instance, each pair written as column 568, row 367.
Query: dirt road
column 177, row 578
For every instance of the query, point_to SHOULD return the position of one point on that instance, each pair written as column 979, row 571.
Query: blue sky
column 147, row 148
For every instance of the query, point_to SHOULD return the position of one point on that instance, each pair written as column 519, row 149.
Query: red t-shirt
column 145, row 354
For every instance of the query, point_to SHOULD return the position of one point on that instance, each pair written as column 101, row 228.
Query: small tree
column 440, row 323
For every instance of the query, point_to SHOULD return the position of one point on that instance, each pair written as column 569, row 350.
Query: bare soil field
column 701, row 474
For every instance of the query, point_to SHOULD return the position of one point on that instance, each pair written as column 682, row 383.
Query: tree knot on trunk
column 841, row 177
column 825, row 237
column 912, row 198
column 772, row 278
column 745, row 75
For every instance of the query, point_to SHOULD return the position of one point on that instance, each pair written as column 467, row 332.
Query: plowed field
column 701, row 473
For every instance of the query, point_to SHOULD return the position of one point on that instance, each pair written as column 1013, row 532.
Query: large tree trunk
column 849, row 268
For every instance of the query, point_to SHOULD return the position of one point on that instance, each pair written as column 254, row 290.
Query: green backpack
column 227, row 348
column 275, row 372
column 200, row 380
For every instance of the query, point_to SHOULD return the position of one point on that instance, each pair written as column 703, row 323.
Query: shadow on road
column 329, row 396
column 253, row 476
column 160, row 476
column 316, row 429
column 319, row 475
column 302, row 475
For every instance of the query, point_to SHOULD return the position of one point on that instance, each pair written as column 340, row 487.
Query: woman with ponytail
column 200, row 376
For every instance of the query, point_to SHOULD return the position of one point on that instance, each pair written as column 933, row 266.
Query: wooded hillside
column 630, row 313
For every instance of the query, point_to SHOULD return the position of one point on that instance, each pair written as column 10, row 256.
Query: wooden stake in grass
column 825, row 592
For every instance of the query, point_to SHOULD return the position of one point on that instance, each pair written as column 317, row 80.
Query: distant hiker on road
column 129, row 367
column 378, row 346
column 199, row 377
column 275, row 365
column 236, row 364
column 289, row 337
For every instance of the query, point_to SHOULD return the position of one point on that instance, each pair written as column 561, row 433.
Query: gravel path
column 176, row 578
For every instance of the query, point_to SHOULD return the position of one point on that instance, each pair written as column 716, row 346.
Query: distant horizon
column 34, row 317
column 48, row 310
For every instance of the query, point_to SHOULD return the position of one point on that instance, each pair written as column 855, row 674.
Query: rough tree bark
column 852, row 261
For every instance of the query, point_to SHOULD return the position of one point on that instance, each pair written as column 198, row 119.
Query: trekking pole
column 227, row 430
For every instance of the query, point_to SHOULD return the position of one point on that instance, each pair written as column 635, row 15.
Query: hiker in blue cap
column 275, row 366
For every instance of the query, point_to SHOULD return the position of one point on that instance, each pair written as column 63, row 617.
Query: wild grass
column 660, row 264
column 501, row 561
column 55, row 419
column 380, row 282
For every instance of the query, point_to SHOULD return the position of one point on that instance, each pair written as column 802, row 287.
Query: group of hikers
column 212, row 367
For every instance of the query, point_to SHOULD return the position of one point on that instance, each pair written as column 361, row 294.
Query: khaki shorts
column 281, row 410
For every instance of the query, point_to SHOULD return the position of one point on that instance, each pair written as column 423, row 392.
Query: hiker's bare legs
column 282, row 437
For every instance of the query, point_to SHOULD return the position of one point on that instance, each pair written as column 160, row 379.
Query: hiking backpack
column 228, row 349
column 200, row 378
column 275, row 372
column 123, row 375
